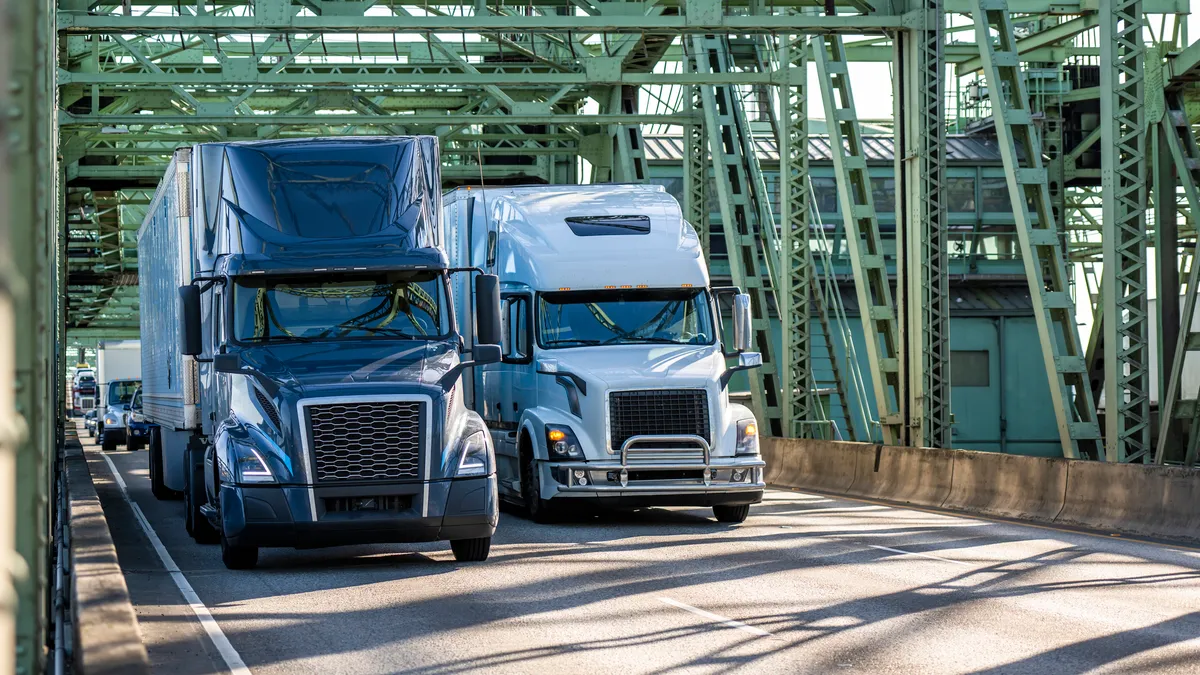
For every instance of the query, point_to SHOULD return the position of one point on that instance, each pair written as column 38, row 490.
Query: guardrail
column 105, row 635
column 1149, row 501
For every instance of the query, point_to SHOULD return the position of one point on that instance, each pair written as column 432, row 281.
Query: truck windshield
column 583, row 318
column 120, row 393
column 403, row 304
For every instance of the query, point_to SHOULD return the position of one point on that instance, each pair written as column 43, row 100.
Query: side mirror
column 487, row 309
column 482, row 354
column 227, row 363
column 190, row 342
column 742, row 323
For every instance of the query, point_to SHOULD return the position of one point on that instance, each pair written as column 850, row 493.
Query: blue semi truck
column 301, row 357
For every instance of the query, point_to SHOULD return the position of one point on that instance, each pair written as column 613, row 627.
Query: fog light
column 581, row 477
column 738, row 474
column 612, row 476
column 583, row 481
column 579, row 473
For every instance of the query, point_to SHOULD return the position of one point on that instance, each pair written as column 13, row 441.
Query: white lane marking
column 923, row 555
column 716, row 617
column 232, row 659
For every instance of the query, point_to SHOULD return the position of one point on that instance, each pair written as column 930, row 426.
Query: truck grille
column 366, row 441
column 663, row 412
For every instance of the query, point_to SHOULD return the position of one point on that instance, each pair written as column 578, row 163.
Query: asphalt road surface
column 809, row 584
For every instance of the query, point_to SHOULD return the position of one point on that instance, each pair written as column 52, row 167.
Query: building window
column 825, row 194
column 883, row 191
column 960, row 194
column 970, row 369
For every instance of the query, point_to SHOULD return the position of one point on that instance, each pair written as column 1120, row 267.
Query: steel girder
column 800, row 400
column 857, row 205
column 923, row 270
column 1123, row 177
column 15, row 17
column 1041, row 250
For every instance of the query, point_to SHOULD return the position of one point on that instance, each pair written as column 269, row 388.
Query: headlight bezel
column 474, row 457
column 569, row 442
column 245, row 457
column 747, row 438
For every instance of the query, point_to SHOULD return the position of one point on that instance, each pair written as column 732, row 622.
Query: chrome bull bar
column 646, row 457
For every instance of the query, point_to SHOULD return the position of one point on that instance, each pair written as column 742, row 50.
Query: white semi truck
column 613, row 388
column 119, row 374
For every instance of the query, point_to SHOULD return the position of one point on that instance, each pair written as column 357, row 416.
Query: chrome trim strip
column 715, row 488
column 426, row 442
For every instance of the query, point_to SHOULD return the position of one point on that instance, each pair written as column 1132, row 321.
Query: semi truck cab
column 613, row 387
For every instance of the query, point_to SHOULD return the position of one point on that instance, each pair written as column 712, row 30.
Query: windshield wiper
column 634, row 339
column 386, row 330
column 574, row 341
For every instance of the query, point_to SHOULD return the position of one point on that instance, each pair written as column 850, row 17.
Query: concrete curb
column 1150, row 501
column 106, row 635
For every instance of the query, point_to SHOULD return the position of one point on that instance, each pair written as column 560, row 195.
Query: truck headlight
column 475, row 461
column 112, row 420
column 561, row 442
column 747, row 437
column 249, row 465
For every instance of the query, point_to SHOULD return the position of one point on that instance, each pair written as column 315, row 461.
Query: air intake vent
column 366, row 441
column 657, row 412
column 268, row 408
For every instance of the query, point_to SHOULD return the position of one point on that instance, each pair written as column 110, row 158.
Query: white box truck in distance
column 119, row 372
column 613, row 388
column 302, row 352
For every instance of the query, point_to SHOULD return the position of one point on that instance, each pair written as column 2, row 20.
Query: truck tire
column 157, row 486
column 91, row 433
column 471, row 550
column 538, row 509
column 194, row 521
column 732, row 514
column 132, row 444
column 106, row 442
column 242, row 557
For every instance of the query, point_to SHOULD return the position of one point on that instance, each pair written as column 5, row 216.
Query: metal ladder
column 1185, row 152
column 736, row 177
column 1041, row 248
column 876, row 307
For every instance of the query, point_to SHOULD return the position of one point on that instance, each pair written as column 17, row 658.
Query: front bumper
column 664, row 476
column 139, row 430
column 283, row 516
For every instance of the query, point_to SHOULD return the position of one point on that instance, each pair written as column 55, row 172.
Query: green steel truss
column 923, row 271
column 738, row 183
column 871, row 282
column 1123, row 177
column 1041, row 251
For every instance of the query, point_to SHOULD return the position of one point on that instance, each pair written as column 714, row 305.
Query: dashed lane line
column 724, row 620
column 923, row 555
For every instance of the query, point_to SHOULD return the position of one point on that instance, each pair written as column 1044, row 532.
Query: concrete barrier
column 1158, row 501
column 1151, row 501
column 106, row 635
column 900, row 474
column 1011, row 486
column 828, row 466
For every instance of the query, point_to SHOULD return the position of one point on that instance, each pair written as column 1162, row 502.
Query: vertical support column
column 695, row 165
column 15, row 18
column 1123, row 178
column 799, row 404
column 921, row 228
column 1166, row 247
column 29, row 154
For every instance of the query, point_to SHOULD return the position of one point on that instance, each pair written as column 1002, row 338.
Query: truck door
column 511, row 391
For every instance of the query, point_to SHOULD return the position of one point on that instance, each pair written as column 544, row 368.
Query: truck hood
column 641, row 366
column 302, row 366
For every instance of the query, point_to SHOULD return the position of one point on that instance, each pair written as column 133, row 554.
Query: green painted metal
column 862, row 236
column 1123, row 177
column 727, row 130
column 1181, row 143
column 15, row 17
column 923, row 274
column 1041, row 250
column 800, row 400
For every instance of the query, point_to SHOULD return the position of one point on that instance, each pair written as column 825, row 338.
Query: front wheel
column 106, row 442
column 732, row 514
column 539, row 509
column 471, row 550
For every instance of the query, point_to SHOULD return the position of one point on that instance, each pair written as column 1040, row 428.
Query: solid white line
column 717, row 617
column 923, row 555
column 232, row 659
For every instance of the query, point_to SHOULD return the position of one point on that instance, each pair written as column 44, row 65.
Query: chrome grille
column 657, row 412
column 366, row 440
